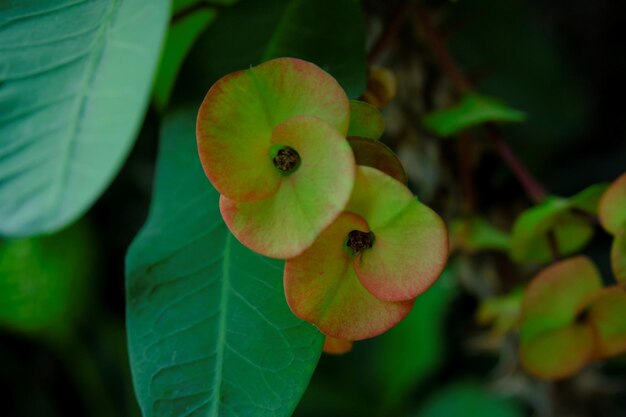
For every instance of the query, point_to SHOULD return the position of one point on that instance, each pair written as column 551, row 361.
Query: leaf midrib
column 86, row 86
column 221, row 335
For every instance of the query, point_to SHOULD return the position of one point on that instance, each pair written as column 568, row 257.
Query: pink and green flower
column 362, row 274
column 272, row 141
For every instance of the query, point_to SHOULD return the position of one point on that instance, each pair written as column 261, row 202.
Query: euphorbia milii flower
column 272, row 141
column 362, row 274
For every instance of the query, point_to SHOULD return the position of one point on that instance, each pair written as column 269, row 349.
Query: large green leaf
column 74, row 82
column 329, row 33
column 210, row 332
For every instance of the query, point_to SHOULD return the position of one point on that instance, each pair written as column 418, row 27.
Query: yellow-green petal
column 375, row 154
column 287, row 222
column 240, row 112
column 322, row 288
column 618, row 255
column 559, row 353
column 612, row 208
column 557, row 295
column 607, row 315
column 365, row 120
column 410, row 246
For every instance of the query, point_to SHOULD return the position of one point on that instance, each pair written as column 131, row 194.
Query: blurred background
column 62, row 338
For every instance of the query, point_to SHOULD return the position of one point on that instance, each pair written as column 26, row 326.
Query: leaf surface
column 210, row 332
column 74, row 82
column 472, row 110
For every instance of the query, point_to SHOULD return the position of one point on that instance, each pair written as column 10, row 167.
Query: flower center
column 287, row 160
column 359, row 241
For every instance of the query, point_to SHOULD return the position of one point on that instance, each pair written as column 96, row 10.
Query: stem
column 450, row 68
column 391, row 30
column 534, row 190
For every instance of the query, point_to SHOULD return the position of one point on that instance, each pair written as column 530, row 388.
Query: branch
column 458, row 78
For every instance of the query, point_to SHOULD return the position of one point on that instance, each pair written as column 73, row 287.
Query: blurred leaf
column 473, row 110
column 618, row 255
column 75, row 82
column 202, row 310
column 612, row 210
column 588, row 199
column 329, row 33
column 475, row 234
column 365, row 120
column 467, row 399
column 180, row 38
column 44, row 281
column 529, row 238
column 502, row 312
column 607, row 315
column 375, row 154
column 414, row 349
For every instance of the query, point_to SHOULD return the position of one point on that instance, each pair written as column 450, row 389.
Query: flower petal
column 375, row 154
column 240, row 111
column 607, row 315
column 618, row 255
column 611, row 209
column 559, row 353
column 322, row 288
column 287, row 222
column 334, row 346
column 410, row 240
column 557, row 295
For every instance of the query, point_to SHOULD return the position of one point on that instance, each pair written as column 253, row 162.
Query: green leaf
column 473, row 110
column 179, row 40
column 529, row 238
column 75, row 79
column 587, row 200
column 209, row 329
column 467, row 399
column 44, row 281
column 365, row 120
column 414, row 349
column 329, row 33
column 502, row 312
column 475, row 234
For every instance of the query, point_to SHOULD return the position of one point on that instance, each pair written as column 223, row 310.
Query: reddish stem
column 534, row 190
column 449, row 67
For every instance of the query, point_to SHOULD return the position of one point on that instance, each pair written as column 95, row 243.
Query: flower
column 362, row 274
column 272, row 141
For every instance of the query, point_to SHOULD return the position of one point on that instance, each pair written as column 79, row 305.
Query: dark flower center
column 286, row 160
column 359, row 241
